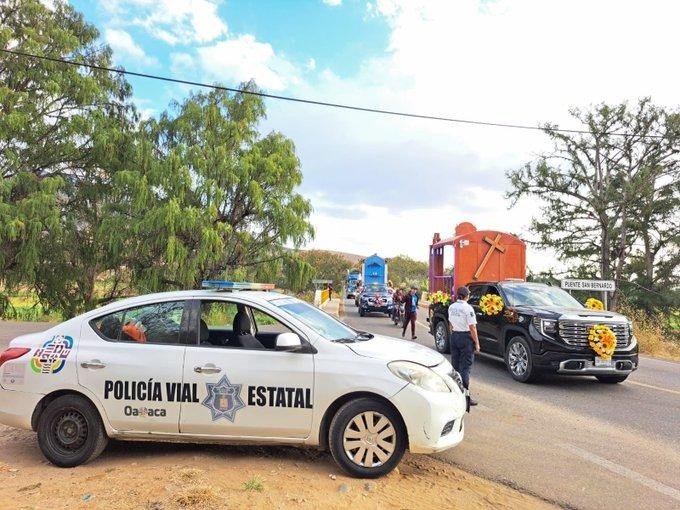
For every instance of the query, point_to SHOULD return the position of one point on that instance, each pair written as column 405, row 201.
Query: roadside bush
column 652, row 333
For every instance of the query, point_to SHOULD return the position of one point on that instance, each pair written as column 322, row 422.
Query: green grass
column 26, row 308
column 254, row 484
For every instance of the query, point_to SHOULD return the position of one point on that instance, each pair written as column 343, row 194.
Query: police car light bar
column 227, row 285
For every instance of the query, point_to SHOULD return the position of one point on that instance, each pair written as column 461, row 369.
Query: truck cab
column 543, row 329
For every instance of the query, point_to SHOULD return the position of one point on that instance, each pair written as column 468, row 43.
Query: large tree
column 611, row 195
column 216, row 196
column 62, row 130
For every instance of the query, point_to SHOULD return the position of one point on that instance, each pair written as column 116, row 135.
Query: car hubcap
column 440, row 336
column 70, row 430
column 369, row 439
column 519, row 359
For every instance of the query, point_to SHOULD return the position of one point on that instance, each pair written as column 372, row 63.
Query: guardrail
column 321, row 297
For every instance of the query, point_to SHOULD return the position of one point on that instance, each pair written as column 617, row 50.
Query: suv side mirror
column 288, row 342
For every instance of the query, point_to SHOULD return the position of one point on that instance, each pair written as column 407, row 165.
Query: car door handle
column 95, row 363
column 207, row 369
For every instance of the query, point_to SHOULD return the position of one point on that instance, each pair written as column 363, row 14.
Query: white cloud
column 311, row 64
column 333, row 3
column 125, row 47
column 244, row 58
column 172, row 21
column 181, row 63
column 519, row 61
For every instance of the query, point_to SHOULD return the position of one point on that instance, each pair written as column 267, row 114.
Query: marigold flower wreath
column 594, row 304
column 491, row 304
column 602, row 340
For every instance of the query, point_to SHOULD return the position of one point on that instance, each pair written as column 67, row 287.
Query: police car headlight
column 419, row 375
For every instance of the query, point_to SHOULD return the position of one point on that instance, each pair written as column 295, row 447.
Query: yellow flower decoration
column 440, row 297
column 491, row 304
column 602, row 340
column 594, row 304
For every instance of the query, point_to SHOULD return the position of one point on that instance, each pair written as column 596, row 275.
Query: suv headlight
column 547, row 327
column 419, row 375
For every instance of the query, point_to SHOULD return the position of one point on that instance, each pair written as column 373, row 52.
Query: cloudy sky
column 385, row 184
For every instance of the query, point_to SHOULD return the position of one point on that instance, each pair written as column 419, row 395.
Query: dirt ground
column 158, row 476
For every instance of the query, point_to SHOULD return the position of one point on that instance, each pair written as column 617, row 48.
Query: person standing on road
column 410, row 311
column 330, row 291
column 397, row 301
column 464, row 341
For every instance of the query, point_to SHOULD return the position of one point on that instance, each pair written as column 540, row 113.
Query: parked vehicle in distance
column 229, row 367
column 375, row 297
column 352, row 282
column 543, row 329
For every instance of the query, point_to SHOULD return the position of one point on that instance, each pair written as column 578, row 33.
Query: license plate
column 603, row 363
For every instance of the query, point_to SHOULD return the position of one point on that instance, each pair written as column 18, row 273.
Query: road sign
column 599, row 285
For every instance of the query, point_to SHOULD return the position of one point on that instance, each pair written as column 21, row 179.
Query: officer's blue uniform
column 461, row 317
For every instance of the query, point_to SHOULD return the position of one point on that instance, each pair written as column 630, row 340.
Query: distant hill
column 350, row 257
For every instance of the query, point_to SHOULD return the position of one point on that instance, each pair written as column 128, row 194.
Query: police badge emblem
column 223, row 399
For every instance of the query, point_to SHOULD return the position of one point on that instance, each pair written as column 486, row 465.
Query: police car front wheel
column 367, row 438
column 70, row 431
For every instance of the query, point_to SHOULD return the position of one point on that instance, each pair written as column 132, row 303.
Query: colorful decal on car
column 51, row 357
column 223, row 399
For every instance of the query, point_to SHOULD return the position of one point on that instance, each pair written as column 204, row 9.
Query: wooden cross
column 495, row 245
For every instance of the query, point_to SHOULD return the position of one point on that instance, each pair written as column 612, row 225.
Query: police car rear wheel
column 441, row 337
column 70, row 431
column 367, row 438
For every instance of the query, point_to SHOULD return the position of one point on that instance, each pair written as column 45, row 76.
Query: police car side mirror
column 288, row 342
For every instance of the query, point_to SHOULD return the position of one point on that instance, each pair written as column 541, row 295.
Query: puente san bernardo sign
column 598, row 285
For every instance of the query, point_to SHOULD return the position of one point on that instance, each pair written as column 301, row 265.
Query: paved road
column 573, row 440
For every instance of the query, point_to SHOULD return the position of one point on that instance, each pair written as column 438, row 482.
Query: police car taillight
column 12, row 353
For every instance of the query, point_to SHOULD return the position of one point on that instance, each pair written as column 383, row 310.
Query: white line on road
column 675, row 392
column 624, row 471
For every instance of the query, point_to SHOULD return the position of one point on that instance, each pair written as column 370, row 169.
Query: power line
column 313, row 102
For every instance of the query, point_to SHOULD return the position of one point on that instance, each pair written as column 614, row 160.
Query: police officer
column 464, row 340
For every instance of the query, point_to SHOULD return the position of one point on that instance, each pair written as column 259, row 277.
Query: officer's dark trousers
column 462, row 354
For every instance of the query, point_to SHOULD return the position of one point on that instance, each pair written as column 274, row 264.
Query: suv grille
column 576, row 333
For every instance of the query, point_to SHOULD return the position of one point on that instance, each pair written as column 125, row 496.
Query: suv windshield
column 537, row 294
column 319, row 321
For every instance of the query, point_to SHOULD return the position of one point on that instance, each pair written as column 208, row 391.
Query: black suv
column 543, row 329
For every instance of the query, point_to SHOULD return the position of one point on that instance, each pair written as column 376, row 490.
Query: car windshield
column 538, row 295
column 372, row 289
column 327, row 326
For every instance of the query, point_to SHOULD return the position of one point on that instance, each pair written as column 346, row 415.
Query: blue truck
column 353, row 279
column 374, row 270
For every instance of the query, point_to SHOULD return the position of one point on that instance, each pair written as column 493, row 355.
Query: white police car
column 249, row 366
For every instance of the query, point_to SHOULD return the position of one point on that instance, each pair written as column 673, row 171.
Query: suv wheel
column 441, row 337
column 518, row 360
column 70, row 431
column 367, row 438
column 611, row 379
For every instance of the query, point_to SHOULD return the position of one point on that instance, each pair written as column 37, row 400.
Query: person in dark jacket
column 410, row 311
